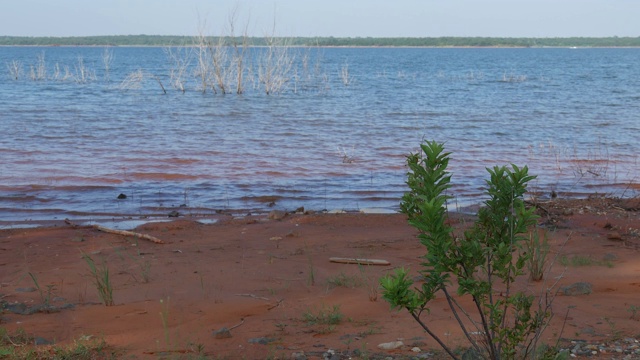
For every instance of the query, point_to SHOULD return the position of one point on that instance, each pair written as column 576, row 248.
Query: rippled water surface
column 69, row 148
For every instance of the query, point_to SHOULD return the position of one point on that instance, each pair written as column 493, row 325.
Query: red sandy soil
column 264, row 275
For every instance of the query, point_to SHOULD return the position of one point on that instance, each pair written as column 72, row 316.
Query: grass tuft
column 344, row 280
column 20, row 346
column 101, row 280
column 579, row 260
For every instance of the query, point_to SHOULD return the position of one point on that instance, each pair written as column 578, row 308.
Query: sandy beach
column 270, row 282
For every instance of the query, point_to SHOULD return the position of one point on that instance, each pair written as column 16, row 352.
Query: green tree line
column 166, row 40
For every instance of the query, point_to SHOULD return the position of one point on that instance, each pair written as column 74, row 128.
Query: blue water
column 334, row 137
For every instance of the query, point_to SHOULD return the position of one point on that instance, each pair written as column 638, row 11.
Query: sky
column 311, row 18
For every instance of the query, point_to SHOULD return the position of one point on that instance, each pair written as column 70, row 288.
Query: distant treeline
column 163, row 40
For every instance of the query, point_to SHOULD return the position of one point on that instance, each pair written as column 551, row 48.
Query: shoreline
column 125, row 221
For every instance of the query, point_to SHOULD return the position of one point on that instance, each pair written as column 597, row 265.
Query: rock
column 276, row 215
column 588, row 331
column 632, row 204
column 391, row 345
column 416, row 349
column 223, row 333
column 122, row 196
column 609, row 257
column 330, row 355
column 471, row 354
column 41, row 341
column 614, row 235
column 174, row 214
column 25, row 290
column 298, row 356
column 300, row 210
column 66, row 306
column 579, row 288
column 261, row 340
column 18, row 308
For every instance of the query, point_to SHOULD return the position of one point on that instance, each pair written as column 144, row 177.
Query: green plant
column 344, row 280
column 164, row 316
column 327, row 317
column 311, row 277
column 45, row 295
column 145, row 271
column 579, row 260
column 484, row 262
column 20, row 345
column 363, row 352
column 281, row 326
column 371, row 283
column 538, row 251
column 202, row 288
column 615, row 334
column 101, row 280
column 633, row 309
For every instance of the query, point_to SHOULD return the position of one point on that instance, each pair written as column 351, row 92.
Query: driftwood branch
column 119, row 232
column 253, row 296
column 359, row 261
column 129, row 233
column 238, row 324
column 538, row 205
column 276, row 305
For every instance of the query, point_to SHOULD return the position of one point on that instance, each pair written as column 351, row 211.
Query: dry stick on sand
column 253, row 296
column 129, row 233
column 359, row 261
column 119, row 232
column 262, row 298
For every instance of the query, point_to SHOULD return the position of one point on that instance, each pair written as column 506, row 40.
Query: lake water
column 335, row 136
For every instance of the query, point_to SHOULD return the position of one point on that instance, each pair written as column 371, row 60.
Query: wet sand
column 263, row 278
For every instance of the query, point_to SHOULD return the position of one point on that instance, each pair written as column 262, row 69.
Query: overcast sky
column 340, row 18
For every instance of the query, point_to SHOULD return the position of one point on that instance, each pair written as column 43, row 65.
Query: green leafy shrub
column 484, row 262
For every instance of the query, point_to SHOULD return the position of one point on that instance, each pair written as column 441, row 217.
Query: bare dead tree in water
column 38, row 72
column 83, row 73
column 180, row 59
column 203, row 58
column 344, row 75
column 107, row 60
column 240, row 46
column 15, row 69
column 133, row 81
column 220, row 61
column 275, row 64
